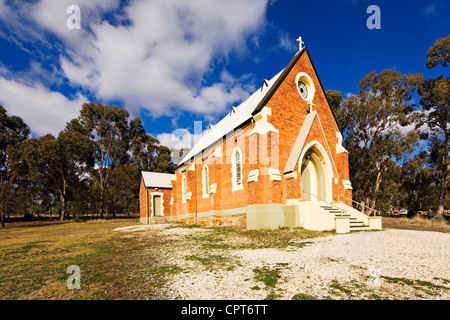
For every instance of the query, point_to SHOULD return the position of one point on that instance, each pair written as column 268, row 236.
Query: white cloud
column 52, row 16
column 179, row 139
column 430, row 10
column 42, row 110
column 286, row 43
column 159, row 62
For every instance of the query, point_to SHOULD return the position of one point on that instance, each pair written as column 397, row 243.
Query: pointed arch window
column 205, row 181
column 183, row 189
column 236, row 167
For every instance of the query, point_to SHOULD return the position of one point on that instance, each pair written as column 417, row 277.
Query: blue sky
column 174, row 62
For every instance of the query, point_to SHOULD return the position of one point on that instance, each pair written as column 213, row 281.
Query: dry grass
column 33, row 262
column 416, row 223
column 118, row 265
column 133, row 265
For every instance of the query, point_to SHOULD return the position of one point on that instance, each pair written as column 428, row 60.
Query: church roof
column 240, row 115
column 157, row 180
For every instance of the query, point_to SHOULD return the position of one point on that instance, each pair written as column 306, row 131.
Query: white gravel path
column 389, row 264
column 351, row 261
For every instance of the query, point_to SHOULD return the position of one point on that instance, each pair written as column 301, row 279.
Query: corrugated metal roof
column 157, row 180
column 233, row 120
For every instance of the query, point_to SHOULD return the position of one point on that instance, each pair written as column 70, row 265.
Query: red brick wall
column 143, row 204
column 145, row 200
column 288, row 113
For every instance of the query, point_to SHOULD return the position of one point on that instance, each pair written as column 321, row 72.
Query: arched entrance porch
column 315, row 173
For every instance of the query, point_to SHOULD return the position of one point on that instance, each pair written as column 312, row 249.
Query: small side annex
column 155, row 193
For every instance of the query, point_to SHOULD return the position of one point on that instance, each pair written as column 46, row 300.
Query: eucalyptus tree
column 435, row 121
column 147, row 152
column 12, row 130
column 335, row 101
column 107, row 128
column 379, row 128
column 53, row 165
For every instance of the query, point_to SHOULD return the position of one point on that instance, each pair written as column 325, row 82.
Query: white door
column 309, row 181
column 157, row 206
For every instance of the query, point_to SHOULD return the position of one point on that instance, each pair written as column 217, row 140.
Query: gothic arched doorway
column 314, row 175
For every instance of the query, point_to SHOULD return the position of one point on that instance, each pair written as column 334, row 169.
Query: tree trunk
column 442, row 193
column 63, row 209
column 102, row 206
column 375, row 189
column 3, row 219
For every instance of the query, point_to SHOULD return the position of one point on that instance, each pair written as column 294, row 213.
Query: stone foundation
column 238, row 221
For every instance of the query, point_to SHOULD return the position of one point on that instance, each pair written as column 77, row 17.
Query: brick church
column 275, row 160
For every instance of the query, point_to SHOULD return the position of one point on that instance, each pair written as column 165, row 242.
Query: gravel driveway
column 390, row 264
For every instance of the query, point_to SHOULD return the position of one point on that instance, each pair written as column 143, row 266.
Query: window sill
column 237, row 188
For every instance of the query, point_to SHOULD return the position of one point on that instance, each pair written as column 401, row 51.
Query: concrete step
column 354, row 222
column 332, row 210
column 359, row 228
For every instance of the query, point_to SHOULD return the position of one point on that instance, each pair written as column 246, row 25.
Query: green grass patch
column 273, row 295
column 336, row 285
column 266, row 275
column 228, row 238
column 401, row 281
column 165, row 270
column 428, row 287
column 431, row 285
column 303, row 296
column 212, row 261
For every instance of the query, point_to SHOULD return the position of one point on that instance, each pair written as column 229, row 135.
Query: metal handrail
column 334, row 206
column 362, row 205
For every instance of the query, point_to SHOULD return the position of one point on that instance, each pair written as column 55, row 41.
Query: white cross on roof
column 300, row 43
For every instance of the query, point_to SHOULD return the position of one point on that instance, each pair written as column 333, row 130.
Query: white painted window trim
column 306, row 79
column 205, row 189
column 183, row 189
column 235, row 186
